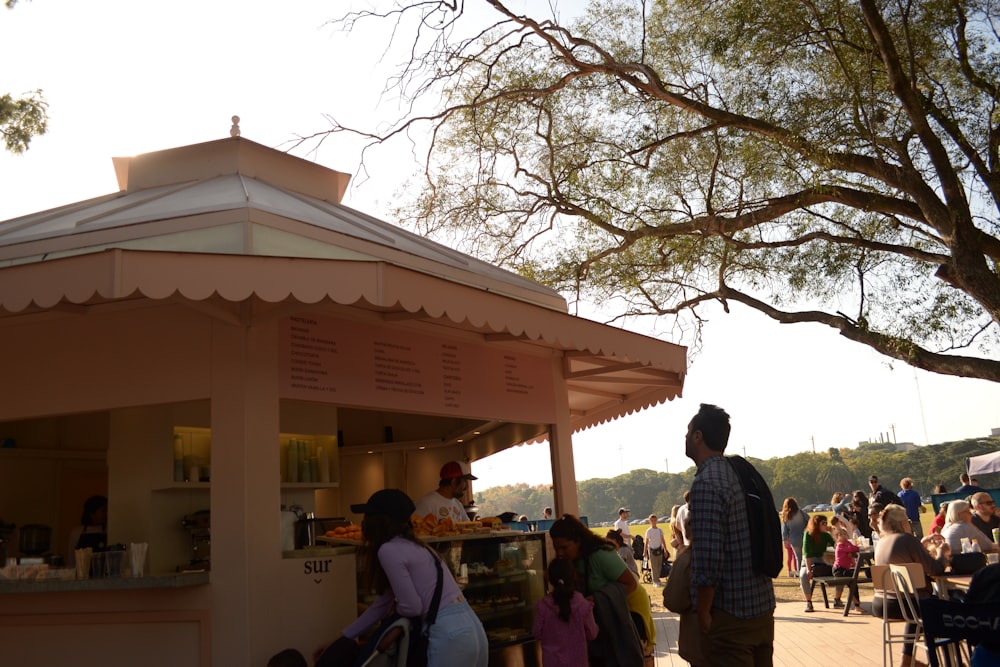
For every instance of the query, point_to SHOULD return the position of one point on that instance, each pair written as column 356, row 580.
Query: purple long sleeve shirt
column 412, row 577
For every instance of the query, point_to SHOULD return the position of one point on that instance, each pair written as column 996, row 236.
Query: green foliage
column 21, row 119
column 816, row 161
column 807, row 477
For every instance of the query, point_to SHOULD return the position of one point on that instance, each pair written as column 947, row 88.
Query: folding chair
column 882, row 582
column 907, row 579
column 951, row 629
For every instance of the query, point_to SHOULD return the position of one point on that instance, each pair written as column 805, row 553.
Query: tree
column 814, row 160
column 23, row 117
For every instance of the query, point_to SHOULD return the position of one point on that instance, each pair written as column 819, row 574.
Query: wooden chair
column 951, row 628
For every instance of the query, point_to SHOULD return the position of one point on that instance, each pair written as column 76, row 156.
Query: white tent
column 982, row 465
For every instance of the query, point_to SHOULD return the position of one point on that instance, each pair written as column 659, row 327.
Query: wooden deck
column 798, row 637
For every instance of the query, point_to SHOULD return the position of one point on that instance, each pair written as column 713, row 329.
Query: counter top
column 10, row 586
column 321, row 551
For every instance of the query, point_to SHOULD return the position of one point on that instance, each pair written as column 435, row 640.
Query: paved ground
column 822, row 637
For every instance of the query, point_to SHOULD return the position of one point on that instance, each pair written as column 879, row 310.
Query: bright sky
column 125, row 77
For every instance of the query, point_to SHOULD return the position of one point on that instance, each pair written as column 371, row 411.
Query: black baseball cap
column 873, row 478
column 392, row 503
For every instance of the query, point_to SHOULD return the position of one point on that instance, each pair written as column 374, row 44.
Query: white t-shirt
column 654, row 538
column 682, row 519
column 622, row 525
column 441, row 507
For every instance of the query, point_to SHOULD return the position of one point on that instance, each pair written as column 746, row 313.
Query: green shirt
column 811, row 549
column 605, row 566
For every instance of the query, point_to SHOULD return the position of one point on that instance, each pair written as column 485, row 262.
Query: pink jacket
column 564, row 643
column 843, row 555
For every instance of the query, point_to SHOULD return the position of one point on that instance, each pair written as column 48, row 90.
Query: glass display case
column 502, row 575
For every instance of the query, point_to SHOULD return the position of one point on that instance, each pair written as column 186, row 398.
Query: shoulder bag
column 677, row 592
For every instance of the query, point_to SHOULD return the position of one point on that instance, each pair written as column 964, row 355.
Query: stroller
column 388, row 647
column 638, row 548
column 646, row 572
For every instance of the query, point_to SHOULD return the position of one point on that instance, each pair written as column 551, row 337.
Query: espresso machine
column 199, row 525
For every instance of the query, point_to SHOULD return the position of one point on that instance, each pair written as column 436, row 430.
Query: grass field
column 641, row 528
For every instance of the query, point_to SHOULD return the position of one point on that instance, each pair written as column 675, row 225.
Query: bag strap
column 436, row 599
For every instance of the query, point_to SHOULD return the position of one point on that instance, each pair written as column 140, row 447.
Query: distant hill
column 807, row 477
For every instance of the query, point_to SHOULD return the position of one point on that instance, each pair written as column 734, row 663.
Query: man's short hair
column 713, row 422
column 981, row 496
column 964, row 478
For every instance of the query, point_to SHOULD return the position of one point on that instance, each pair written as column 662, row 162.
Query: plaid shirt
column 720, row 539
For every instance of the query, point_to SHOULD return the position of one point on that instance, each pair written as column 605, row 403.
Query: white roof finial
column 234, row 131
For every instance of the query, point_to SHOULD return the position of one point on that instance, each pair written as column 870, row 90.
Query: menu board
column 377, row 366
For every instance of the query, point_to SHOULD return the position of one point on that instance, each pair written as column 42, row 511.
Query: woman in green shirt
column 815, row 542
column 599, row 565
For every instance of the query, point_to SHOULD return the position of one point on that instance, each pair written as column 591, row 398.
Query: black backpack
column 766, row 550
column 638, row 547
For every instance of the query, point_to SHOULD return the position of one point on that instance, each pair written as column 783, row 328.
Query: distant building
column 897, row 446
column 995, row 433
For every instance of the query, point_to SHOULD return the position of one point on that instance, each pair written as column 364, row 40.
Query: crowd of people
column 891, row 524
column 596, row 613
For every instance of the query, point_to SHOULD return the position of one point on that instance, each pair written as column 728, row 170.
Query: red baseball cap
column 455, row 470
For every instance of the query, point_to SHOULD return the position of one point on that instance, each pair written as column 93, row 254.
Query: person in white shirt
column 683, row 515
column 446, row 501
column 654, row 548
column 958, row 525
column 621, row 525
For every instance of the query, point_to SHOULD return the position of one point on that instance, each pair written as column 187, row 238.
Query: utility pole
column 666, row 465
column 813, row 439
column 893, row 427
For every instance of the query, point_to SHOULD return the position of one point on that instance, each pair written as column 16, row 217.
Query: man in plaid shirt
column 735, row 605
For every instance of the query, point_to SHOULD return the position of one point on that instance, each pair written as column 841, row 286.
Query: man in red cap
column 446, row 501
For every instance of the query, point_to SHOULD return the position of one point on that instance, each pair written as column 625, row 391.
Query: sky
column 125, row 77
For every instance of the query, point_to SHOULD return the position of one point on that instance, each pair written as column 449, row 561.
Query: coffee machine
column 199, row 525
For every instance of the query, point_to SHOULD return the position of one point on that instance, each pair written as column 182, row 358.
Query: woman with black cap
column 404, row 571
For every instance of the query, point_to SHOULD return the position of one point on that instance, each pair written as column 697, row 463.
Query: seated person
column 985, row 589
column 985, row 515
column 937, row 523
column 843, row 565
column 958, row 525
column 896, row 546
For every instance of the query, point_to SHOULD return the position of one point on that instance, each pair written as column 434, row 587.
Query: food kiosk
column 222, row 341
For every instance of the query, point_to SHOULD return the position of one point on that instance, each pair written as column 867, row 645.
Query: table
column 947, row 582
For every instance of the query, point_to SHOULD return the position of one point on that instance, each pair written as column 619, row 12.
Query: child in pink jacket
column 564, row 619
column 843, row 565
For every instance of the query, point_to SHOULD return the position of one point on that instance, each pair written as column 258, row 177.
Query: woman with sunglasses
column 815, row 542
